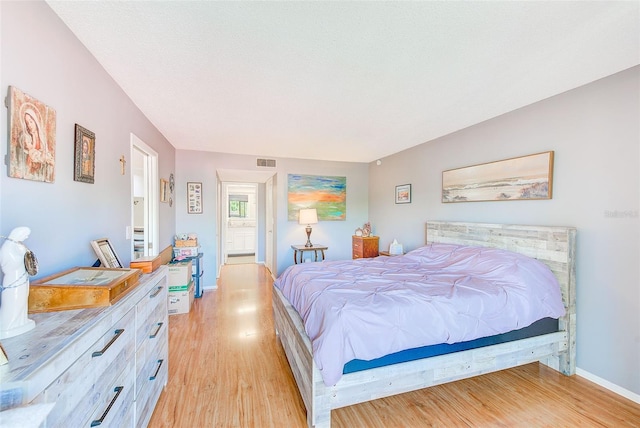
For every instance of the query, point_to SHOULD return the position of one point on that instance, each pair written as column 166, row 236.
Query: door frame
column 151, row 196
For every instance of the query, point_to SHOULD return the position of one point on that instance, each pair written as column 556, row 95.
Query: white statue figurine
column 15, row 285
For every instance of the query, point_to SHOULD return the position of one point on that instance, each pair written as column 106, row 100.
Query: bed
column 553, row 246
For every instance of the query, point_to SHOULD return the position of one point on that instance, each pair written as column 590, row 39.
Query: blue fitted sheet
column 538, row 328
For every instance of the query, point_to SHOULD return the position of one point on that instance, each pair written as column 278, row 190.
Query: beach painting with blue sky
column 525, row 177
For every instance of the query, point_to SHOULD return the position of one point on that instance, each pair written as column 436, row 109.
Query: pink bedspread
column 439, row 293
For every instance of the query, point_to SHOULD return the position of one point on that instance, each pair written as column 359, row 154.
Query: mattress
column 538, row 328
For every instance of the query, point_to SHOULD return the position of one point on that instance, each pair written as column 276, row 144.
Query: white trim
column 152, row 187
column 617, row 389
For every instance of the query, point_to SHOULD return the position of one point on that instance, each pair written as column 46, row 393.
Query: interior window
column 238, row 205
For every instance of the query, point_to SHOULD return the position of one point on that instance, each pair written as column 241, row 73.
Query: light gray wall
column 43, row 58
column 202, row 166
column 595, row 133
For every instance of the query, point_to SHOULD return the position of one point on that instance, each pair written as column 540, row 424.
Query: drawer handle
column 153, row 336
column 118, row 332
column 117, row 390
column 157, row 292
column 157, row 370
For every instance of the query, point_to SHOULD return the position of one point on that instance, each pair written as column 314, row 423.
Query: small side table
column 301, row 249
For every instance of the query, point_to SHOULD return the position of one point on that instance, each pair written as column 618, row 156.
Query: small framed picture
column 85, row 152
column 403, row 194
column 164, row 190
column 106, row 254
column 194, row 197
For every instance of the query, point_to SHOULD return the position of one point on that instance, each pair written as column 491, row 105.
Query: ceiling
column 347, row 81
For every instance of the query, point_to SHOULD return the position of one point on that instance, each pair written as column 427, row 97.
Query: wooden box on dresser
column 101, row 366
column 364, row 247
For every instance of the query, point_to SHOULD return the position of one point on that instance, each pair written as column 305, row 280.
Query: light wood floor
column 227, row 370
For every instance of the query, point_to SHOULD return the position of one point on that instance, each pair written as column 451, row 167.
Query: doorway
column 241, row 217
column 144, row 232
column 265, row 235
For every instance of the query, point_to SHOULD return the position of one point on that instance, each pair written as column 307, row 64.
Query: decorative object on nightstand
column 366, row 229
column 308, row 216
column 364, row 246
column 395, row 249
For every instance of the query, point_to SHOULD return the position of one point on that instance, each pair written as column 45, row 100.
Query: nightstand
column 388, row 254
column 301, row 249
column 364, row 247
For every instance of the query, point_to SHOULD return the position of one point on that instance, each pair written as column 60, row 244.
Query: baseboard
column 609, row 385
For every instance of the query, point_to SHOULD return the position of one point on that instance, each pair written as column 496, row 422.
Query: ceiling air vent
column 267, row 162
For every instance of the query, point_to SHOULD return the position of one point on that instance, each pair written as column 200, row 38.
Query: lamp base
column 308, row 230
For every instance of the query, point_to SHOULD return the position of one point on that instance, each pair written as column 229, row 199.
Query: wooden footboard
column 297, row 347
column 552, row 245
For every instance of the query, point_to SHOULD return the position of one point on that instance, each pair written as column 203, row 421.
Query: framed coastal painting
column 85, row 154
column 32, row 138
column 523, row 178
column 403, row 194
column 327, row 194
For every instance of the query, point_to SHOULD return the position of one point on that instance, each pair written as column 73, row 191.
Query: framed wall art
column 85, row 154
column 164, row 190
column 32, row 138
column 403, row 194
column 106, row 254
column 522, row 178
column 328, row 195
column 194, row 198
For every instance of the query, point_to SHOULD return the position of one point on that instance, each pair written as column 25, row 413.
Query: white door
column 269, row 221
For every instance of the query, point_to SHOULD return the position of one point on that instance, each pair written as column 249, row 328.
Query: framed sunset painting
column 328, row 195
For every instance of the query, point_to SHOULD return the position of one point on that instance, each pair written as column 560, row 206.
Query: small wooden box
column 146, row 264
column 81, row 287
column 186, row 243
column 151, row 263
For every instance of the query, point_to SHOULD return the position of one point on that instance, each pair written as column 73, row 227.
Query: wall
column 595, row 134
column 43, row 58
column 202, row 166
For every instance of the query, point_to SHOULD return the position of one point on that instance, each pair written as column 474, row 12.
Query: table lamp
column 308, row 217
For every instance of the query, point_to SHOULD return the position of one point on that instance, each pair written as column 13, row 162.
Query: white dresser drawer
column 152, row 350
column 151, row 314
column 80, row 388
column 152, row 377
column 115, row 405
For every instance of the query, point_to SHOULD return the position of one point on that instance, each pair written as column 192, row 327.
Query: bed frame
column 555, row 246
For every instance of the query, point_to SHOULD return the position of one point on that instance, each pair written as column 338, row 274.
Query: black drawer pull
column 117, row 390
column 153, row 336
column 157, row 292
column 118, row 332
column 157, row 370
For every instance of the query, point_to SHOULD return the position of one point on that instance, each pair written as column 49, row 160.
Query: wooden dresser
column 101, row 366
column 362, row 247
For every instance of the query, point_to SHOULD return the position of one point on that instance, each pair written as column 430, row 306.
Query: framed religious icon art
column 85, row 155
column 32, row 138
